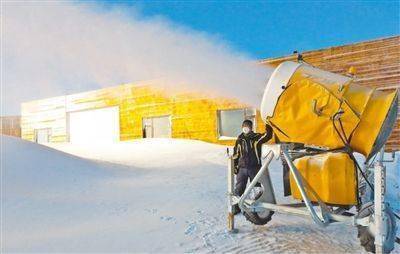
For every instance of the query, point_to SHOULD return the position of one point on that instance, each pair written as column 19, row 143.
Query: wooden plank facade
column 10, row 125
column 193, row 116
column 377, row 65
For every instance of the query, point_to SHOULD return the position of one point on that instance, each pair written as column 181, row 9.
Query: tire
column 261, row 218
column 367, row 239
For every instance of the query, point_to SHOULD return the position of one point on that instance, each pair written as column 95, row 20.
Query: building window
column 230, row 121
column 156, row 127
column 42, row 136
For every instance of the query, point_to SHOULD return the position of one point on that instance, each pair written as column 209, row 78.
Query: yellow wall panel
column 193, row 116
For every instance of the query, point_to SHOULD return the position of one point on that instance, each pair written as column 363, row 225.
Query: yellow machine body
column 332, row 176
column 307, row 105
column 302, row 103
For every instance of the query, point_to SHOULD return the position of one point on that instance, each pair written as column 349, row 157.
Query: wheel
column 367, row 239
column 259, row 218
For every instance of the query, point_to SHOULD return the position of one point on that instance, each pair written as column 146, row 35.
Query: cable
column 348, row 148
column 346, row 144
column 372, row 161
column 362, row 173
column 344, row 133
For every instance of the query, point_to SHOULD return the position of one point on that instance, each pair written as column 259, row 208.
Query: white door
column 42, row 135
column 157, row 127
column 94, row 126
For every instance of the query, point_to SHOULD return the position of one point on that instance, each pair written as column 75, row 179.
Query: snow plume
column 51, row 49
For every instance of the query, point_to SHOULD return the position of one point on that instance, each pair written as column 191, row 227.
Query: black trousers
column 242, row 177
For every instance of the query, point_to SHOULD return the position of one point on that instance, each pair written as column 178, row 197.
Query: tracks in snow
column 283, row 234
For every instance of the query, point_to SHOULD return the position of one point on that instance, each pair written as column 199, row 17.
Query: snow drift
column 156, row 195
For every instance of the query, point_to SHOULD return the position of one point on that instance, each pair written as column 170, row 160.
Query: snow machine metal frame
column 321, row 214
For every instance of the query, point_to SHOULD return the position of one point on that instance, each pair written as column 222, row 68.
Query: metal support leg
column 379, row 202
column 231, row 217
column 363, row 189
column 324, row 221
column 253, row 183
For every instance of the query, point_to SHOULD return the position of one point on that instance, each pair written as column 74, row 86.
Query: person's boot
column 258, row 191
column 236, row 209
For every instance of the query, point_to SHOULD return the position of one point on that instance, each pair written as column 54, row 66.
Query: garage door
column 94, row 126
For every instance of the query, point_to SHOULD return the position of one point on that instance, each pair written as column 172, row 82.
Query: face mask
column 246, row 130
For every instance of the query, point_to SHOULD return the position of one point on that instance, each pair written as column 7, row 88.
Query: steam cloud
column 50, row 49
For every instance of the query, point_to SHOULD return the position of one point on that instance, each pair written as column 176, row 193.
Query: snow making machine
column 320, row 120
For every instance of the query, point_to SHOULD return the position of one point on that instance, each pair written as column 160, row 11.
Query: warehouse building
column 147, row 110
column 131, row 111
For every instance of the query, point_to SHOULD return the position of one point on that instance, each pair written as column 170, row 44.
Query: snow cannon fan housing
column 307, row 105
column 304, row 104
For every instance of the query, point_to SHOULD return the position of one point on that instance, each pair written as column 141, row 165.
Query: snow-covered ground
column 157, row 195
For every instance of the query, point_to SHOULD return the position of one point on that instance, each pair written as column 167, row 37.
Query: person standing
column 247, row 156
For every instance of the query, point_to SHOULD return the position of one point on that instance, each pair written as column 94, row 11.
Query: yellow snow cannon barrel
column 329, row 177
column 304, row 104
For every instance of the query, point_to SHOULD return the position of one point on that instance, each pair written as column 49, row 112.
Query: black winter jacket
column 247, row 150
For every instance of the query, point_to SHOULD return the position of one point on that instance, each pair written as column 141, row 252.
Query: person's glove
column 236, row 170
